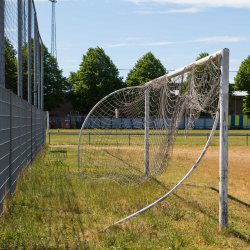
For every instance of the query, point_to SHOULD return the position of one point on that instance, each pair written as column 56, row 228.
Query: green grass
column 55, row 208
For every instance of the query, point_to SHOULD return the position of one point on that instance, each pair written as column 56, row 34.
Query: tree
column 146, row 69
column 97, row 77
column 10, row 66
column 242, row 82
column 55, row 84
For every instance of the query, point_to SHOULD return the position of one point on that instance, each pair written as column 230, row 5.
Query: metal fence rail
column 22, row 136
column 140, row 134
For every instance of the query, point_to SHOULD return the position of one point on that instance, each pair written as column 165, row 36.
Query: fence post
column 38, row 72
column 48, row 121
column 31, row 135
column 42, row 78
column 10, row 165
column 29, row 53
column 2, row 45
column 35, row 61
column 20, row 49
column 26, row 119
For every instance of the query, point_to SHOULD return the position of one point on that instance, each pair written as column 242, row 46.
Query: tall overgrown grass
column 56, row 208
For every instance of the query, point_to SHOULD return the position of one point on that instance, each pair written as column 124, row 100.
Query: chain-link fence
column 21, row 50
column 22, row 119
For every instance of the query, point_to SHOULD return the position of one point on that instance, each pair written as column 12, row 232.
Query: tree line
column 97, row 77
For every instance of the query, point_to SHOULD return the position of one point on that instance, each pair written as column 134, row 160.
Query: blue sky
column 175, row 31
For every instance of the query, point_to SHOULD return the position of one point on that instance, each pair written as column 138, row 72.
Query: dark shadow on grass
column 239, row 235
column 194, row 205
column 233, row 198
column 199, row 208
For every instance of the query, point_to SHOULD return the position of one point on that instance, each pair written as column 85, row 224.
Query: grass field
column 180, row 141
column 55, row 208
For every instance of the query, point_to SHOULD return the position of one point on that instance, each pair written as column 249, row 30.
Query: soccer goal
column 129, row 135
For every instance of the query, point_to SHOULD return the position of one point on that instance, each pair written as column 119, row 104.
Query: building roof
column 239, row 93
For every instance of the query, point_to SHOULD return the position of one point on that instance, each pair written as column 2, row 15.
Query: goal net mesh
column 113, row 138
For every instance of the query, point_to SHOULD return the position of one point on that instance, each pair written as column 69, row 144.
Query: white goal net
column 129, row 135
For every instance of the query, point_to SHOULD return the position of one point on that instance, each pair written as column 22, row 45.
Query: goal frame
column 223, row 56
column 223, row 107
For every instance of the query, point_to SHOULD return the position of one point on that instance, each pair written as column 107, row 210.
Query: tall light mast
column 53, row 30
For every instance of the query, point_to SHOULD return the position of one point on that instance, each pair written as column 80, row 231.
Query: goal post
column 202, row 86
column 224, row 93
column 146, row 150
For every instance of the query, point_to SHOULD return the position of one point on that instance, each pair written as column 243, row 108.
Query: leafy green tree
column 146, row 69
column 97, row 77
column 55, row 84
column 242, row 82
column 10, row 66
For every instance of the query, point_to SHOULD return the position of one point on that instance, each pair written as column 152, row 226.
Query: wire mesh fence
column 22, row 119
column 22, row 136
column 21, row 50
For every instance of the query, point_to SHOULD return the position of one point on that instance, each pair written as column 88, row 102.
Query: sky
column 175, row 31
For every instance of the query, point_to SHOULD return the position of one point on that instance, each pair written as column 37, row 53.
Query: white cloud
column 201, row 3
column 214, row 39
column 132, row 38
column 188, row 10
column 157, row 44
column 116, row 45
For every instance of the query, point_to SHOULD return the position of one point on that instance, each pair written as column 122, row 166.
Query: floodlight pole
column 146, row 126
column 224, row 90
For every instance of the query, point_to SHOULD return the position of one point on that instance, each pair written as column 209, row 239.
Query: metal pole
column 10, row 166
column 29, row 53
column 39, row 72
column 47, row 121
column 31, row 135
column 35, row 61
column 207, row 136
column 224, row 89
column 2, row 45
column 42, row 79
column 20, row 49
column 146, row 151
